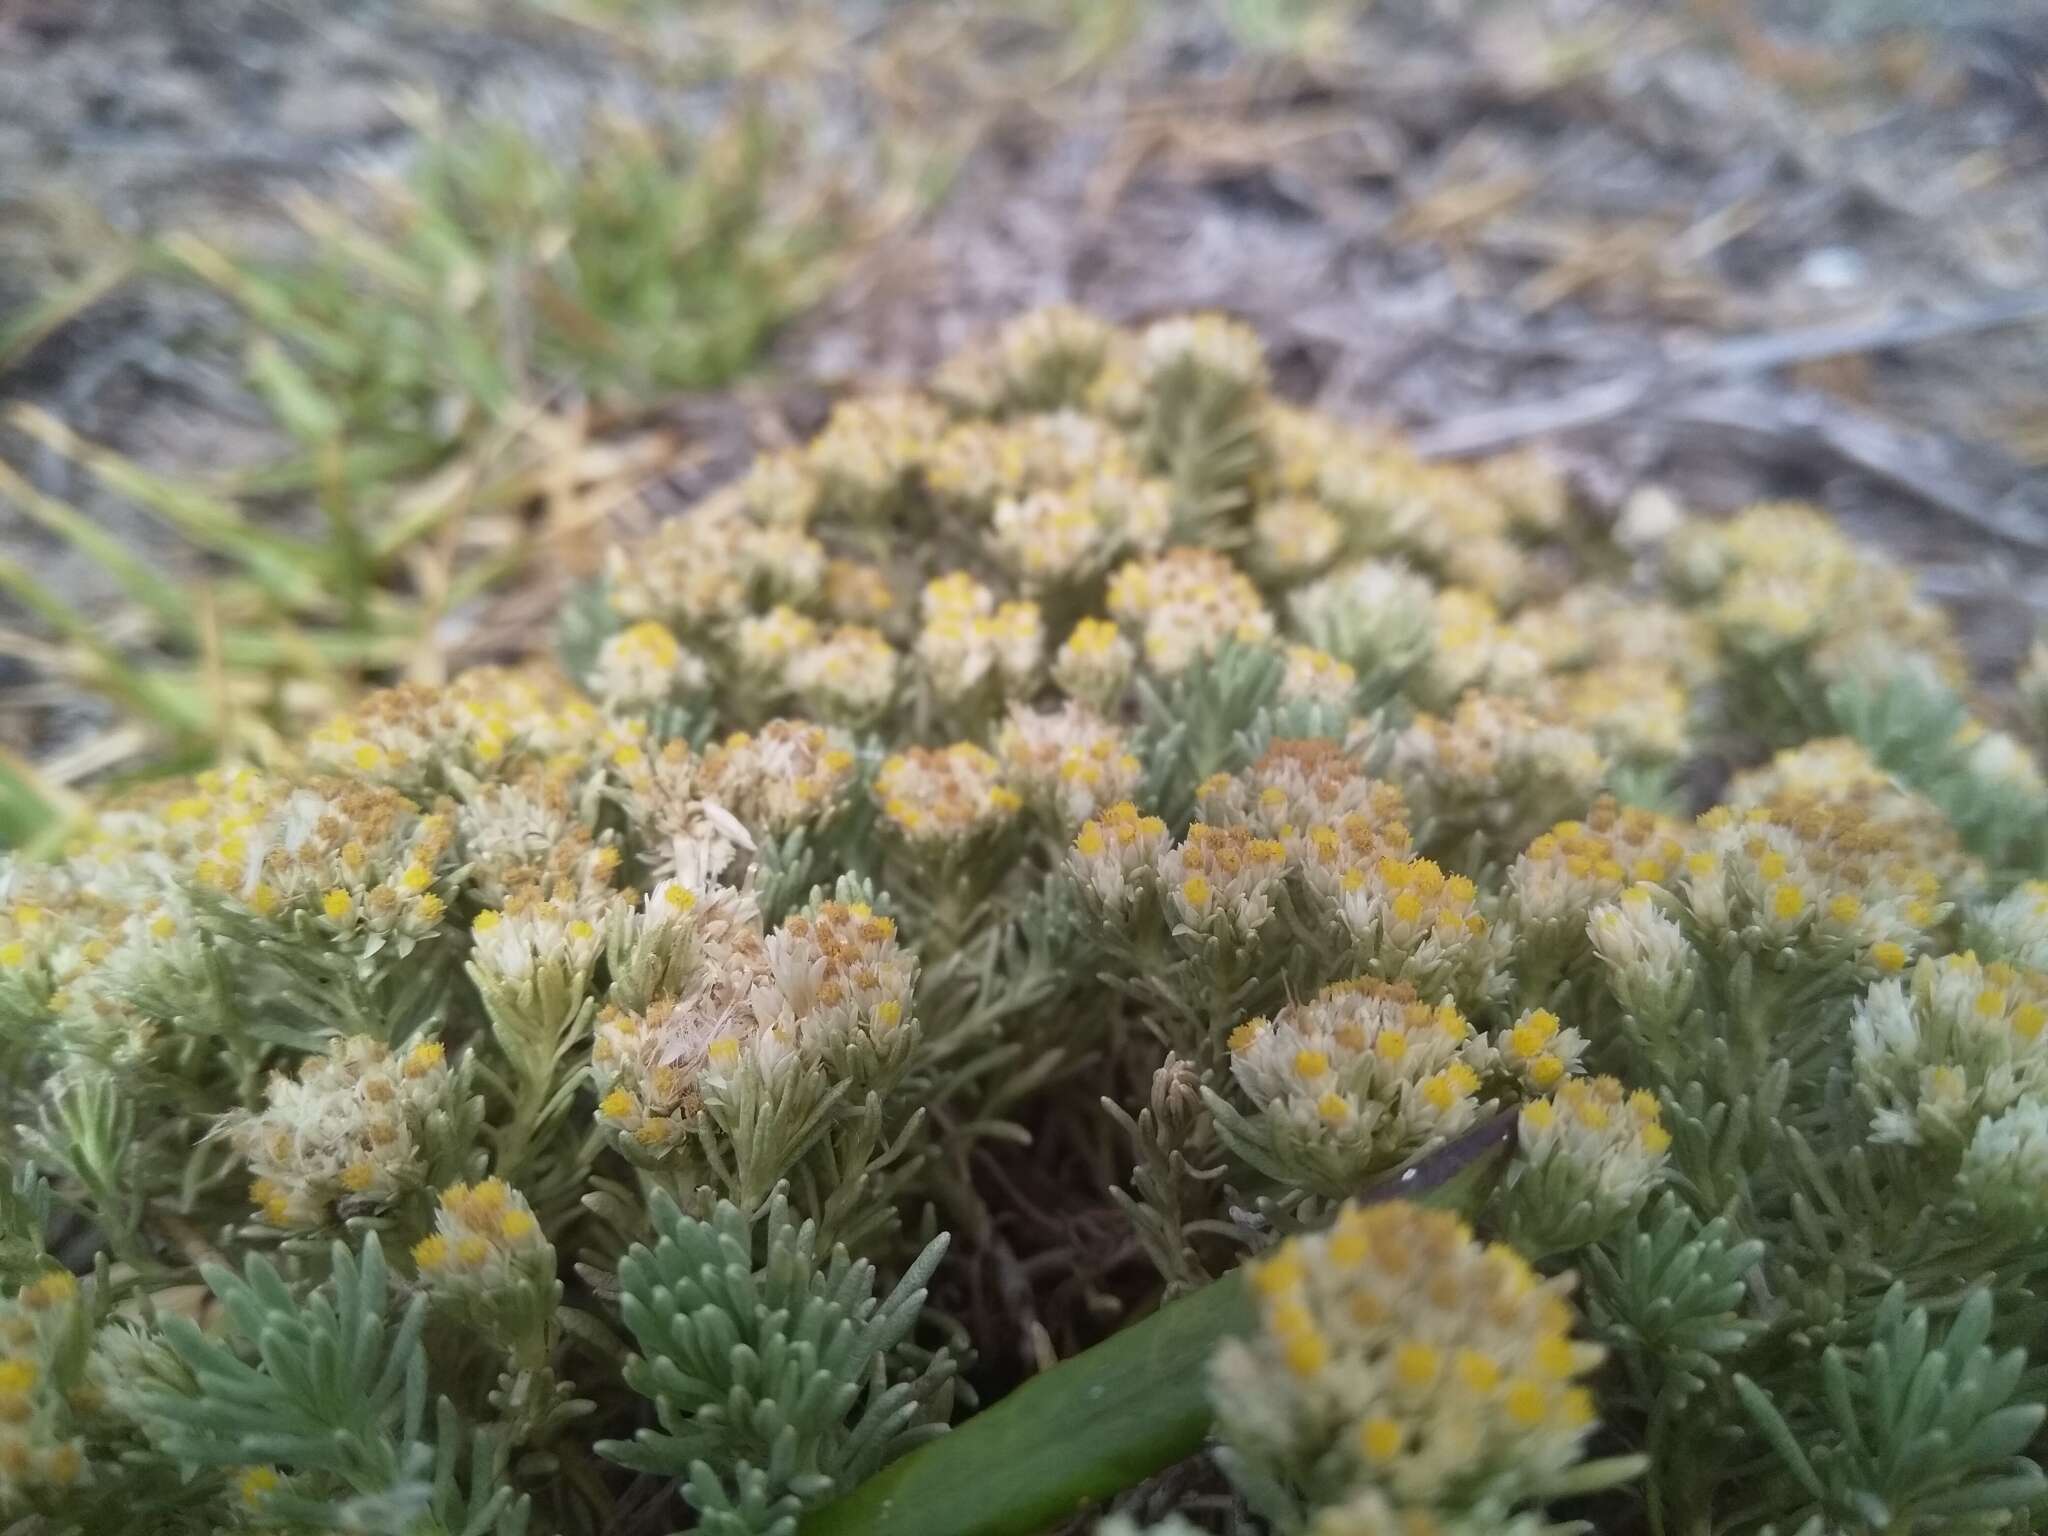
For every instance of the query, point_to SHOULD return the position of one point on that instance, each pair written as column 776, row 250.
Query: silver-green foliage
column 333, row 1393
column 1916, row 1435
column 778, row 1375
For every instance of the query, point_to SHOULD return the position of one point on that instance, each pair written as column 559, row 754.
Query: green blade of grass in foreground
column 1113, row 1415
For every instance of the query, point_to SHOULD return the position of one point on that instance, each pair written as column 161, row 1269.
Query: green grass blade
column 27, row 330
column 1108, row 1418
column 144, row 586
column 290, row 571
column 169, row 705
column 1113, row 1415
column 32, row 811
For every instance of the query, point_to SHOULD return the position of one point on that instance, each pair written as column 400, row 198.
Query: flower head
column 1396, row 1355
column 938, row 798
column 1068, row 761
column 1219, row 880
column 787, row 774
column 848, row 677
column 1584, row 1158
column 1115, row 859
column 2004, row 1173
column 644, row 664
column 1187, row 603
column 1963, row 1041
column 356, row 1128
column 1493, row 774
column 1358, row 1079
column 1094, row 663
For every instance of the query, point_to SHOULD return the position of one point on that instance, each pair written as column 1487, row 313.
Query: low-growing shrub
column 543, row 1097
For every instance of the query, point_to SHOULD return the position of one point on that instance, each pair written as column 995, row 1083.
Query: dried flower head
column 356, row 1129
column 941, row 798
column 1069, row 762
column 785, row 775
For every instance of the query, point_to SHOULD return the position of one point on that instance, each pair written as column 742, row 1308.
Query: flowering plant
column 1153, row 834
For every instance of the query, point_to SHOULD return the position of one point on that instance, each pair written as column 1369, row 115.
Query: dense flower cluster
column 1091, row 728
column 1398, row 1361
column 354, row 1128
column 1352, row 1082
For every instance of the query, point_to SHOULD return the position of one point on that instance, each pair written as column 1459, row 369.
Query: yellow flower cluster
column 1584, row 1157
column 1540, row 1050
column 1395, row 1355
column 1219, row 880
column 1069, row 762
column 1493, row 774
column 1297, row 789
column 1780, row 578
column 787, row 774
column 42, row 1329
column 360, row 857
column 1356, row 1080
column 645, row 665
column 1186, row 603
column 842, row 988
column 1556, row 883
column 1317, row 677
column 682, row 1010
column 534, row 936
column 1824, row 875
column 355, row 1129
column 1115, row 858
column 943, row 797
column 1964, row 1041
column 848, row 676
column 485, row 1238
column 1040, row 361
column 1410, row 921
column 970, row 643
column 1094, row 663
column 1841, row 772
column 485, row 721
column 1636, row 712
column 526, row 837
column 871, row 449
column 1473, row 649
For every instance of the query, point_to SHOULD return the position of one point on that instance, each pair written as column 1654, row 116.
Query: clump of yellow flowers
column 1163, row 836
column 1402, row 1371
